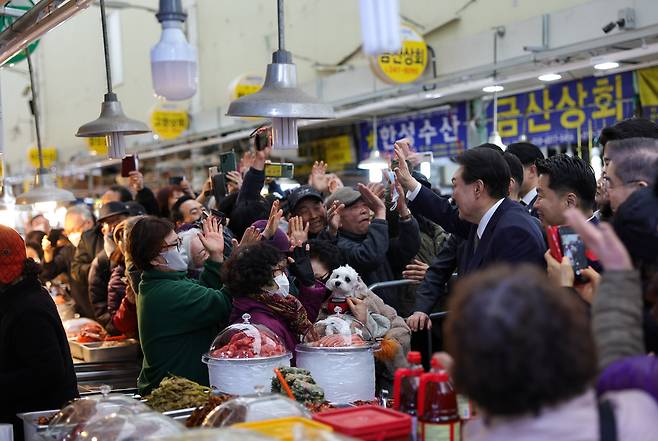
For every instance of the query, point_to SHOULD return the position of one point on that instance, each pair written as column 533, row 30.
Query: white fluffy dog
column 345, row 281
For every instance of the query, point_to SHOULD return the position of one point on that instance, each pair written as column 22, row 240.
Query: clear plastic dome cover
column 338, row 331
column 254, row 408
column 70, row 421
column 126, row 427
column 244, row 340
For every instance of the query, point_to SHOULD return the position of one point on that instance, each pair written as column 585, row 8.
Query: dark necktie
column 476, row 241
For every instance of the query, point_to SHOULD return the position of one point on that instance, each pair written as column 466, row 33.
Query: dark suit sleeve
column 82, row 262
column 406, row 245
column 251, row 185
column 367, row 255
column 439, row 210
column 438, row 274
column 515, row 244
column 147, row 199
column 59, row 264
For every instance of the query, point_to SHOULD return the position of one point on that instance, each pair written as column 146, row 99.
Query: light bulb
column 497, row 140
column 8, row 217
column 426, row 169
column 596, row 163
column 375, row 175
column 284, row 133
column 548, row 77
column 174, row 64
column 46, row 208
column 380, row 26
column 492, row 89
column 116, row 145
column 606, row 65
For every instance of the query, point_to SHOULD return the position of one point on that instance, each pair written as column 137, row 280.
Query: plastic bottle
column 405, row 389
column 438, row 415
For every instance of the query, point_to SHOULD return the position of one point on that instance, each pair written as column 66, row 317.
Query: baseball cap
column 303, row 192
column 345, row 195
column 12, row 254
column 112, row 209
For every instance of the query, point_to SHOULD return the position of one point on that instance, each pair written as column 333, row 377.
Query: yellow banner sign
column 337, row 151
column 97, row 145
column 169, row 123
column 407, row 65
column 49, row 156
column 244, row 85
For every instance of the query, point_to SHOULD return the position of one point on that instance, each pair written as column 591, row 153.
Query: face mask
column 175, row 260
column 75, row 238
column 283, row 285
column 108, row 245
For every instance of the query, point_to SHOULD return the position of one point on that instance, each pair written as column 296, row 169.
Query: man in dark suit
column 496, row 229
column 528, row 154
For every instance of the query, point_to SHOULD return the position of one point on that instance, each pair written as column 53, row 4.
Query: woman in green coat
column 177, row 317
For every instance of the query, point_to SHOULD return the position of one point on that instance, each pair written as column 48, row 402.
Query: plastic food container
column 339, row 353
column 126, row 427
column 97, row 352
column 243, row 357
column 71, row 421
column 370, row 423
column 254, row 408
column 283, row 429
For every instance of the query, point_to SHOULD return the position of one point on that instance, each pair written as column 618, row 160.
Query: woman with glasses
column 177, row 317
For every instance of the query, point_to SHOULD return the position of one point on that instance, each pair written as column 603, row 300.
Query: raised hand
column 318, row 178
column 212, row 239
column 403, row 210
column 273, row 221
column 333, row 217
column 402, row 173
column 419, row 321
column 234, row 178
column 373, row 202
column 378, row 189
column 358, row 308
column 250, row 235
column 560, row 273
column 297, row 231
column 135, row 181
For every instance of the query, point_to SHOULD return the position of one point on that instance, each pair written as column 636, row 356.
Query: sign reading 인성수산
column 407, row 65
column 169, row 121
column 442, row 132
column 557, row 113
column 49, row 156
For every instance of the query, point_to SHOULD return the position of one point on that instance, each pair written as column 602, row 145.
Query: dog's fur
column 346, row 281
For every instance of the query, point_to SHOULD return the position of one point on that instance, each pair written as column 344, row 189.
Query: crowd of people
column 544, row 350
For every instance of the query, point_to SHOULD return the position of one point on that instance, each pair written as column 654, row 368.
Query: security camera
column 609, row 27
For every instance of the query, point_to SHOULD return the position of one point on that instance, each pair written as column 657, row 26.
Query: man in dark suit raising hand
column 496, row 228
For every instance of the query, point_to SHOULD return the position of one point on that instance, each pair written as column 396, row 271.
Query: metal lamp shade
column 280, row 98
column 44, row 191
column 112, row 120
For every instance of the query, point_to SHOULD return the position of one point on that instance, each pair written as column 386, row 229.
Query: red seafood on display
column 91, row 332
column 243, row 345
column 338, row 341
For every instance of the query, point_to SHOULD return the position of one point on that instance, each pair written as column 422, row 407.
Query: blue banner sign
column 559, row 113
column 442, row 132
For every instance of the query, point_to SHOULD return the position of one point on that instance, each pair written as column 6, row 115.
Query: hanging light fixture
column 173, row 59
column 380, row 26
column 44, row 195
column 374, row 163
column 113, row 124
column 495, row 137
column 280, row 99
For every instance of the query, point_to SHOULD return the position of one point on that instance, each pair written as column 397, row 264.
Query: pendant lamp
column 44, row 192
column 280, row 99
column 113, row 124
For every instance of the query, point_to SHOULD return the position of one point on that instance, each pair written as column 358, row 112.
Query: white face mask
column 108, row 245
column 75, row 238
column 175, row 260
column 283, row 285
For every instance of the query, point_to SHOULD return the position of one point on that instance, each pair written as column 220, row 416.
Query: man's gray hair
column 82, row 210
column 639, row 165
column 620, row 148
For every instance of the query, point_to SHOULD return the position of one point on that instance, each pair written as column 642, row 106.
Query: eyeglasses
column 608, row 183
column 178, row 244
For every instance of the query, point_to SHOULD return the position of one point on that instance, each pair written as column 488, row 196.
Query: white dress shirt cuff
column 411, row 195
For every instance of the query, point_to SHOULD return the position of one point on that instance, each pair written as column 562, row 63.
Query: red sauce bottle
column 405, row 389
column 438, row 415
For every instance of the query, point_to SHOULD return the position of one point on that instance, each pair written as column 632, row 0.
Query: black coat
column 99, row 278
column 511, row 236
column 90, row 245
column 36, row 369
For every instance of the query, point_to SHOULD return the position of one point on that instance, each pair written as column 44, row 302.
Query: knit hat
column 279, row 241
column 12, row 255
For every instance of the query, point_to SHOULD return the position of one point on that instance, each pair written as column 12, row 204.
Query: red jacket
column 125, row 319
